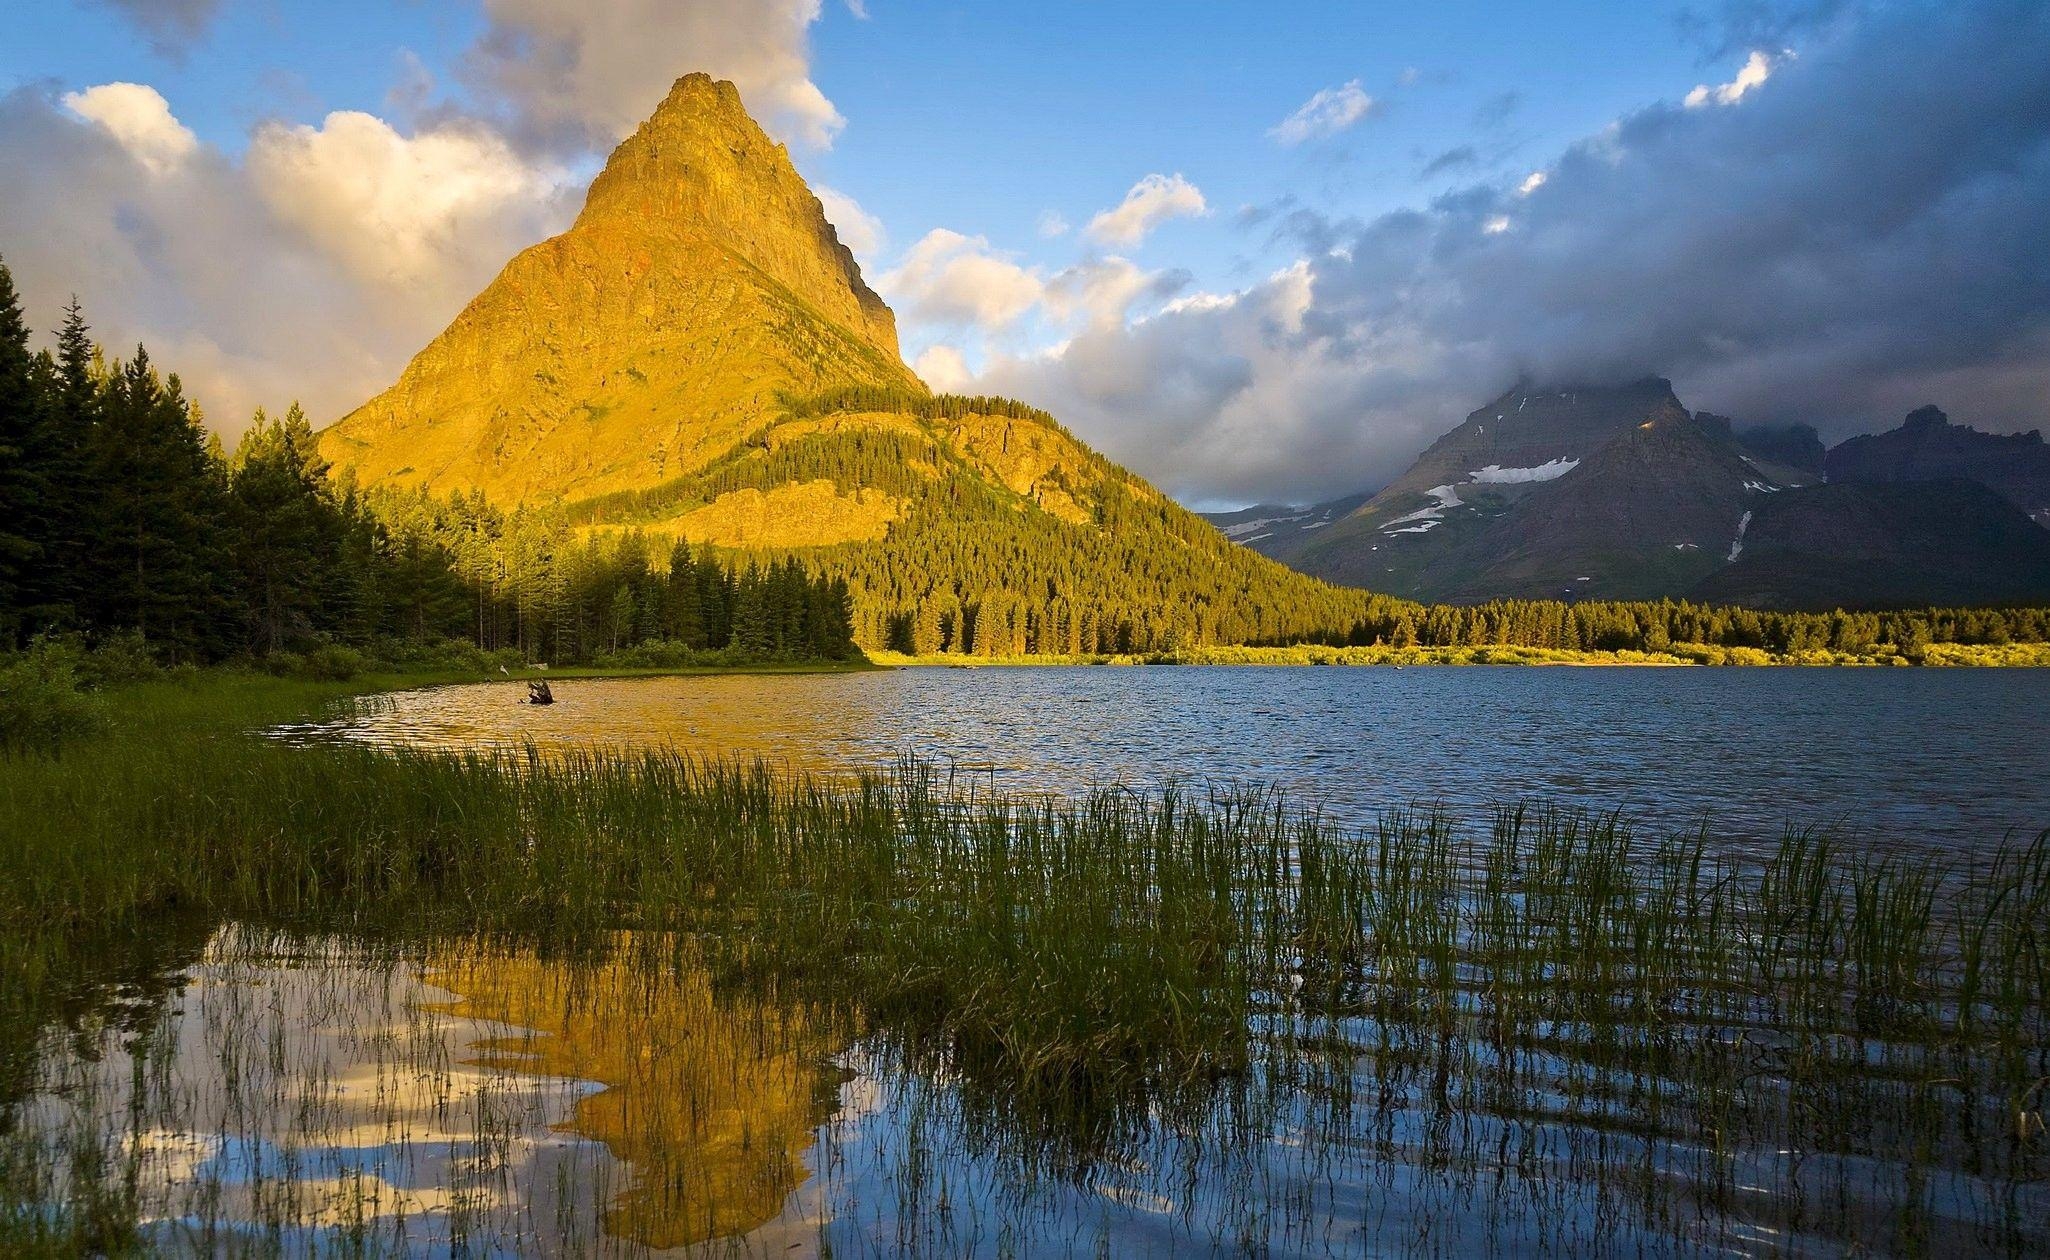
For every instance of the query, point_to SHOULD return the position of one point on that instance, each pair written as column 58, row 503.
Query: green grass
column 1085, row 967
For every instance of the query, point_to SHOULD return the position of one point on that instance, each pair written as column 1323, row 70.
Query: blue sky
column 983, row 117
column 1329, row 308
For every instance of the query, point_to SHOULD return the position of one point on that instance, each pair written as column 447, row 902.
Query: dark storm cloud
column 1862, row 233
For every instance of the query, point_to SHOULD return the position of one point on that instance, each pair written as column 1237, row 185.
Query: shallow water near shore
column 1940, row 757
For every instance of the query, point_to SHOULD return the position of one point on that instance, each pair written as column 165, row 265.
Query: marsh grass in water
column 931, row 1016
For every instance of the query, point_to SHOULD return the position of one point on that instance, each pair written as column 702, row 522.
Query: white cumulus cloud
column 140, row 120
column 952, row 279
column 430, row 210
column 287, row 273
column 944, row 369
column 1103, row 291
column 1152, row 201
column 1326, row 114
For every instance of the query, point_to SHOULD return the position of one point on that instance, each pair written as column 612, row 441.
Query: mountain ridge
column 1622, row 494
column 1929, row 447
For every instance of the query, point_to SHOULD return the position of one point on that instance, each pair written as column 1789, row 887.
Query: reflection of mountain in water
column 712, row 1100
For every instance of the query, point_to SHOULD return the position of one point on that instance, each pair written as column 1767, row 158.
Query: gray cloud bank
column 1866, row 231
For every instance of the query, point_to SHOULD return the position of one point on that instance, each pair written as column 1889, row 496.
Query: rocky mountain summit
column 1928, row 447
column 1618, row 492
column 701, row 280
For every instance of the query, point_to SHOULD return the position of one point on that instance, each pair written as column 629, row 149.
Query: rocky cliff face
column 1886, row 545
column 701, row 279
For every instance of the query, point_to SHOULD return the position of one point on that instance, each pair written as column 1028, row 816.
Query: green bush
column 668, row 654
column 42, row 697
column 333, row 662
column 446, row 656
column 116, row 660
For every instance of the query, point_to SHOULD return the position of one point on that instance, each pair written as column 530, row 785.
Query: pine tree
column 682, row 607
column 160, row 560
column 69, row 410
column 288, row 535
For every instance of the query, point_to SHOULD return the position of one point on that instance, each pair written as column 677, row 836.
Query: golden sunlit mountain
column 697, row 358
column 700, row 280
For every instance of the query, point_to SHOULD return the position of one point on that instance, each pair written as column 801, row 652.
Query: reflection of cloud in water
column 481, row 1094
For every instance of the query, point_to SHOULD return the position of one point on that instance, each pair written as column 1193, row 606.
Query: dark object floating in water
column 539, row 693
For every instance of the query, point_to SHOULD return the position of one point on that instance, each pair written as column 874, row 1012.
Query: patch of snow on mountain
column 1495, row 474
column 1737, row 547
column 1240, row 530
column 1446, row 497
column 1761, row 487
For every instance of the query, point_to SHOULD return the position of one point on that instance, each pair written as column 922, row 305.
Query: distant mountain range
column 1622, row 493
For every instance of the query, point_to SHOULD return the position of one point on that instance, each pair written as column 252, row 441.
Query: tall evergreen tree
column 160, row 556
column 70, row 408
column 287, row 533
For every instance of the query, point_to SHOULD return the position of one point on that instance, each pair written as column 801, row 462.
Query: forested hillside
column 992, row 531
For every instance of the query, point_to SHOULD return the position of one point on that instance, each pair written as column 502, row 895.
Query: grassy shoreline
column 1949, row 655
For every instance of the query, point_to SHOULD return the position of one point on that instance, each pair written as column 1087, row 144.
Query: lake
column 1937, row 756
column 1110, row 1028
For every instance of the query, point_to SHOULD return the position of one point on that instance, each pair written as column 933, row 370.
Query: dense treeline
column 1656, row 627
column 534, row 583
column 885, row 399
column 120, row 514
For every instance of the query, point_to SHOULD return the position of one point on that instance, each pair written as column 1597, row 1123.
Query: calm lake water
column 1943, row 756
